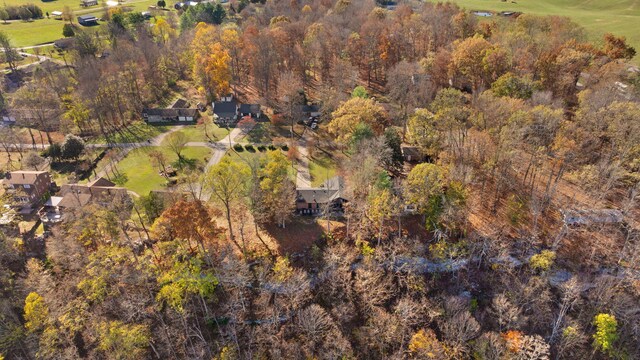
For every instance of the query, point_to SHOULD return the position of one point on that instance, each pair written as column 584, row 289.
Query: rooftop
column 24, row 177
column 171, row 112
column 330, row 190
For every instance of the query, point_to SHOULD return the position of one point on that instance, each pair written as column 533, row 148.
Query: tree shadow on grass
column 184, row 163
column 259, row 134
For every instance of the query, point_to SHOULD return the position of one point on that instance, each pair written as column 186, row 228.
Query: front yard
column 321, row 168
column 136, row 132
column 197, row 133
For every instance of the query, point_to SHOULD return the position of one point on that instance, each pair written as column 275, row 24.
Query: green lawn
column 248, row 157
column 45, row 30
column 48, row 50
column 142, row 177
column 196, row 133
column 261, row 133
column 266, row 133
column 620, row 17
column 321, row 168
column 137, row 131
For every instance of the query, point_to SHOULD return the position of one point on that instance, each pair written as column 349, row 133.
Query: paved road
column 220, row 148
column 303, row 178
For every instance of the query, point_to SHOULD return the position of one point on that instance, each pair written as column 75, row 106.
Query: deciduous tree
column 227, row 181
column 176, row 142
column 353, row 112
column 277, row 187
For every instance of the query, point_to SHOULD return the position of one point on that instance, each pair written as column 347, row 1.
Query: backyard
column 138, row 131
column 142, row 177
column 321, row 168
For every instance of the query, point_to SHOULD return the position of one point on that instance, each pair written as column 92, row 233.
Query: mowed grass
column 321, row 168
column 138, row 131
column 142, row 177
column 40, row 31
column 196, row 133
column 620, row 17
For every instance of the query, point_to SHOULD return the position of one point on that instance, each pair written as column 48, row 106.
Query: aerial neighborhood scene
column 320, row 179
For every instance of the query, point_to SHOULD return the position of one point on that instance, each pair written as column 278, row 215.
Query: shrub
column 285, row 147
column 262, row 148
column 68, row 31
column 238, row 148
column 72, row 147
column 271, row 147
column 542, row 261
column 606, row 333
column 54, row 151
column 250, row 148
column 516, row 210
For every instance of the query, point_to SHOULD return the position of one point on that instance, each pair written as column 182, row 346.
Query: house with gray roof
column 328, row 196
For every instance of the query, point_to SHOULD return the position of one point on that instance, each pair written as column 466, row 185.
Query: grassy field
column 620, row 17
column 46, row 30
column 142, row 177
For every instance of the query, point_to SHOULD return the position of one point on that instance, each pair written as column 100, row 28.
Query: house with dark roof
column 225, row 112
column 179, row 113
column 327, row 197
column 87, row 20
column 27, row 189
column 180, row 104
column 310, row 111
column 87, row 3
column 252, row 110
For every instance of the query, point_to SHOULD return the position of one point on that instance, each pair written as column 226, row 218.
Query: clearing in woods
column 39, row 31
column 620, row 17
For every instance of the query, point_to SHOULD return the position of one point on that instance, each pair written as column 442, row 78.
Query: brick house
column 27, row 189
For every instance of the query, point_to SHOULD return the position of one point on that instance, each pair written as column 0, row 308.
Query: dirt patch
column 297, row 236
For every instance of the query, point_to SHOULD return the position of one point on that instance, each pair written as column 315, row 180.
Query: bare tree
column 505, row 312
column 176, row 142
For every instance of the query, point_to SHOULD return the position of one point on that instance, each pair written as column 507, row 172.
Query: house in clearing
column 87, row 20
column 179, row 113
column 87, row 3
column 27, row 189
column 225, row 111
column 314, row 201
